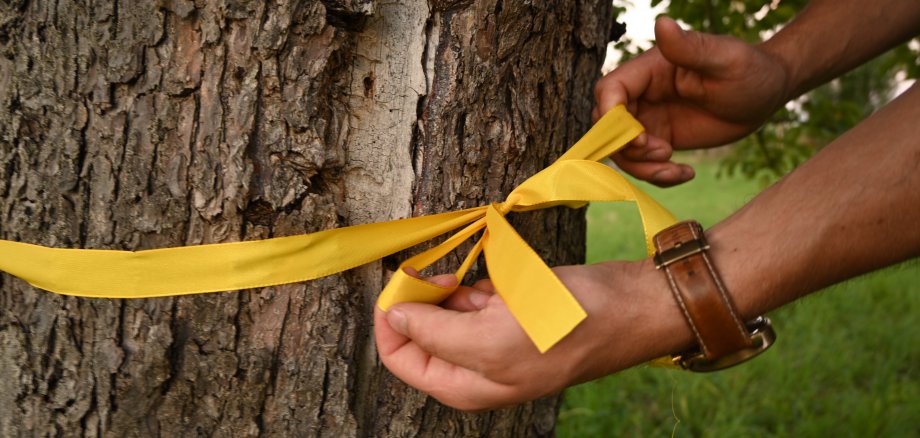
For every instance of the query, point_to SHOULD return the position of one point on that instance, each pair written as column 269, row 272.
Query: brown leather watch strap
column 681, row 254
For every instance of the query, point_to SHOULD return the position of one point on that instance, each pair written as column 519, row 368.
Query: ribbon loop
column 405, row 288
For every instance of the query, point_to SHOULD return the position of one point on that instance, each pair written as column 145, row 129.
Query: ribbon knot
column 539, row 301
column 505, row 207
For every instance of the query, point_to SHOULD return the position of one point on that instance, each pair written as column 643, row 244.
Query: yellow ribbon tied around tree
column 539, row 301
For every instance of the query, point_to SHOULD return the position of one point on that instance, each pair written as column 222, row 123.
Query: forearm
column 853, row 208
column 831, row 37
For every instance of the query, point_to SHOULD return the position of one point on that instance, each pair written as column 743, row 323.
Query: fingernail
column 641, row 140
column 663, row 175
column 658, row 155
column 446, row 280
column 479, row 299
column 398, row 321
column 410, row 271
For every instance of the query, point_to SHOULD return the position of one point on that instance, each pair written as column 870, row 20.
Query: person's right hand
column 693, row 90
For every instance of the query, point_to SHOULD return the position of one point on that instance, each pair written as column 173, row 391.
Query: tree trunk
column 135, row 125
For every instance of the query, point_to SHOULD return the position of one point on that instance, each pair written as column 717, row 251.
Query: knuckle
column 428, row 344
column 689, row 84
column 699, row 40
column 500, row 367
column 490, row 366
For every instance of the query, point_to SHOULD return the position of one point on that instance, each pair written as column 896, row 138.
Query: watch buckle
column 680, row 251
column 762, row 337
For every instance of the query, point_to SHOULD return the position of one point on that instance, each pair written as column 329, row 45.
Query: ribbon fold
column 539, row 301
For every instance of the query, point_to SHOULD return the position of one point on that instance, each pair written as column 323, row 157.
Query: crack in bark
column 175, row 349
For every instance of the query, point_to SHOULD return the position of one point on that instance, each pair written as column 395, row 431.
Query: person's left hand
column 471, row 354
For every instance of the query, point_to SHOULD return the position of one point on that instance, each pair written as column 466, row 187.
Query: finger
column 633, row 107
column 485, row 285
column 392, row 339
column 642, row 139
column 654, row 149
column 467, row 299
column 608, row 93
column 451, row 384
column 443, row 280
column 448, row 281
column 623, row 85
column 457, row 301
column 470, row 339
column 444, row 333
column 662, row 174
column 691, row 50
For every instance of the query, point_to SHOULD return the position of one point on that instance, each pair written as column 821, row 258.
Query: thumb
column 443, row 280
column 692, row 50
column 450, row 335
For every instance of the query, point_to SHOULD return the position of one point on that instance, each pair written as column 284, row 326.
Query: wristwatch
column 723, row 339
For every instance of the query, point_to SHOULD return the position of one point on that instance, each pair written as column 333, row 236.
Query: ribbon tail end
column 561, row 329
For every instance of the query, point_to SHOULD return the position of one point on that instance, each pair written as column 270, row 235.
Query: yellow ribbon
column 538, row 300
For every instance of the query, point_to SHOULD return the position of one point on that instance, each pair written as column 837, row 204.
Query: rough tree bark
column 134, row 125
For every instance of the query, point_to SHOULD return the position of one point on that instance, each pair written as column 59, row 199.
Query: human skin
column 852, row 208
column 696, row 90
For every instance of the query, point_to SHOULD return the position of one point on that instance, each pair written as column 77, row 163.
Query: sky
column 640, row 26
column 640, row 19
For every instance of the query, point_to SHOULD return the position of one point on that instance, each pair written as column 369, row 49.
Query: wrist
column 784, row 57
column 655, row 325
column 672, row 331
column 723, row 338
column 747, row 276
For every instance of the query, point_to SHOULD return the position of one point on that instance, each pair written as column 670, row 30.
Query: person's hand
column 692, row 90
column 471, row 354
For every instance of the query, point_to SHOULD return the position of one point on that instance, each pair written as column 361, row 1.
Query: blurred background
column 845, row 363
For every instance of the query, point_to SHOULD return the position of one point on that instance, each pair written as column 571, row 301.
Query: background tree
column 134, row 125
column 796, row 132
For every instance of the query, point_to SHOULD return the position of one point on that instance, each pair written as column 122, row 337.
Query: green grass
column 845, row 362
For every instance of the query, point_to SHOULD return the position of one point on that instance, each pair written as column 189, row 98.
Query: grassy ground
column 845, row 362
